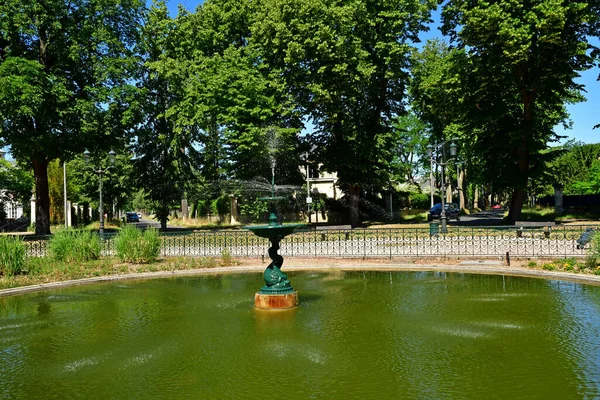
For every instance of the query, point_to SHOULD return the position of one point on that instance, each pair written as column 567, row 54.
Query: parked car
column 452, row 212
column 496, row 207
column 139, row 215
column 132, row 217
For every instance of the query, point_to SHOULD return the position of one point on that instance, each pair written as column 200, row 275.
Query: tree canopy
column 63, row 65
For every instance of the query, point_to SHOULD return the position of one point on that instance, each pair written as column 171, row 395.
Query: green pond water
column 372, row 335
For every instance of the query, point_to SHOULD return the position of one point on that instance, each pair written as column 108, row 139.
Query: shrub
column 74, row 246
column 532, row 264
column 591, row 262
column 595, row 245
column 420, row 200
column 548, row 267
column 226, row 258
column 12, row 255
column 137, row 247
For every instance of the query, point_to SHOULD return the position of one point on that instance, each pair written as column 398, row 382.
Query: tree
column 346, row 64
column 62, row 67
column 412, row 137
column 164, row 150
column 524, row 58
column 591, row 184
column 119, row 183
column 572, row 163
column 15, row 183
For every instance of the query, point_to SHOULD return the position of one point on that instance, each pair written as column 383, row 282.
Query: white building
column 325, row 183
column 13, row 209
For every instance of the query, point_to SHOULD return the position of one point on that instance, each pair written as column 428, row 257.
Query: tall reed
column 74, row 246
column 12, row 255
column 135, row 246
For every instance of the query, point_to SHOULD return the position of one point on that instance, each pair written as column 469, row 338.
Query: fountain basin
column 273, row 231
column 387, row 335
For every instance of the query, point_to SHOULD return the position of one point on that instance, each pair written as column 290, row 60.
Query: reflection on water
column 355, row 335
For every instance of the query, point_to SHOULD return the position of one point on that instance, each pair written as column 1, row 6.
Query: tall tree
column 347, row 65
column 230, row 97
column 164, row 151
column 524, row 59
column 411, row 138
column 62, row 65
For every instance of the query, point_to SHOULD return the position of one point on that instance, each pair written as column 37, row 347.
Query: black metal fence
column 555, row 241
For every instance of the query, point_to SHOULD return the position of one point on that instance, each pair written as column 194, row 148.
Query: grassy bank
column 545, row 214
column 44, row 270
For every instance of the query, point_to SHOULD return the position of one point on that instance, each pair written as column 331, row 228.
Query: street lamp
column 308, row 198
column 101, row 171
column 430, row 151
column 461, row 202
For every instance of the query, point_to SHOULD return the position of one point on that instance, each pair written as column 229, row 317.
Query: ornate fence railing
column 556, row 241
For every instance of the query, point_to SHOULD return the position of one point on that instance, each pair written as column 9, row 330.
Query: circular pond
column 356, row 335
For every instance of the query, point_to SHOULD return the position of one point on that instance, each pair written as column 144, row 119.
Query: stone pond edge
column 322, row 266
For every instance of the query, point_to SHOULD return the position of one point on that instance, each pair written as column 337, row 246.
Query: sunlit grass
column 39, row 270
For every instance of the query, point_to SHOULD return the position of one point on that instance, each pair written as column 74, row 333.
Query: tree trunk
column 520, row 191
column 461, row 192
column 353, row 195
column 516, row 204
column 42, row 198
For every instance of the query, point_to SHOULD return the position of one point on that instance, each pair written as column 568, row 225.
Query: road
column 482, row 218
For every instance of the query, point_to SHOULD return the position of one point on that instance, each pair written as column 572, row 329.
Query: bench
column 333, row 228
column 532, row 225
column 585, row 238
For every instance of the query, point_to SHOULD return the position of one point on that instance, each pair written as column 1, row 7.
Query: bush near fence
column 12, row 255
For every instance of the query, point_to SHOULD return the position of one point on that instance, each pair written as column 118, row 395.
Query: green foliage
column 254, row 208
column 412, row 138
column 220, row 205
column 594, row 250
column 591, row 183
column 65, row 68
column 140, row 202
column 347, row 65
column 137, row 247
column 16, row 182
column 420, row 201
column 12, row 255
column 571, row 167
column 517, row 76
column 548, row 267
column 74, row 246
column 164, row 149
column 226, row 259
column 118, row 185
column 532, row 264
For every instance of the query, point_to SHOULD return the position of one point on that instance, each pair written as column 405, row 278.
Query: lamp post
column 308, row 198
column 461, row 201
column 430, row 151
column 101, row 171
column 431, row 182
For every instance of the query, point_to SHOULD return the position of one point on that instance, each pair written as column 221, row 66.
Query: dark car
column 452, row 212
column 132, row 217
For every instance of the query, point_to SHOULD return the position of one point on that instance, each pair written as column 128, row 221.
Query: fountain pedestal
column 277, row 293
column 264, row 301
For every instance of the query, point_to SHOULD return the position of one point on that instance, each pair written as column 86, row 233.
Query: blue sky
column 584, row 115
